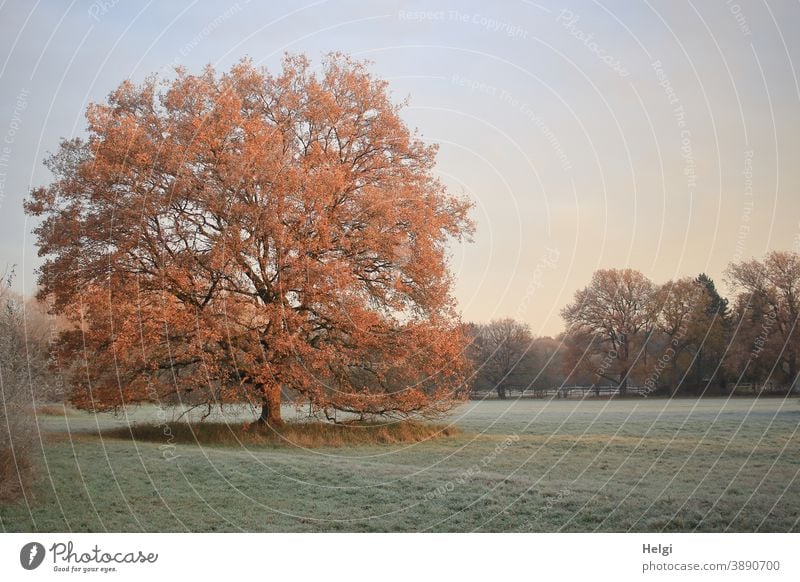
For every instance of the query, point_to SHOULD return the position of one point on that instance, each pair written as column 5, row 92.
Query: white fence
column 565, row 392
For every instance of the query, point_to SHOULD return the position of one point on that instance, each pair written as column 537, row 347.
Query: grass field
column 638, row 465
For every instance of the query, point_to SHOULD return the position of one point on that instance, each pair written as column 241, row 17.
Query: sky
column 660, row 136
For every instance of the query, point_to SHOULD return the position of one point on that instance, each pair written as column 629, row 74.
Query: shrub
column 291, row 434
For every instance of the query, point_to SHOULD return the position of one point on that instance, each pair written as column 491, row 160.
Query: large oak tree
column 232, row 235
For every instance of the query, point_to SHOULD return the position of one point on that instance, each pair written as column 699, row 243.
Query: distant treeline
column 678, row 338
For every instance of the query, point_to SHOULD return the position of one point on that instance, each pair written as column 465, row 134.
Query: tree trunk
column 270, row 405
column 501, row 392
column 700, row 367
column 623, row 384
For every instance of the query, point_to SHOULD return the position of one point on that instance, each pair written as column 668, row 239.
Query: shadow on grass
column 291, row 434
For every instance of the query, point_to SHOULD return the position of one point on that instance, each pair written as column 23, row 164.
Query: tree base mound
column 288, row 434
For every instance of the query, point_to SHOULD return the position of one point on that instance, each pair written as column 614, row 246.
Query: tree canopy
column 767, row 314
column 502, row 355
column 609, row 321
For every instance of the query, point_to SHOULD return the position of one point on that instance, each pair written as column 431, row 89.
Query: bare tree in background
column 766, row 312
column 547, row 358
column 693, row 330
column 612, row 318
column 502, row 356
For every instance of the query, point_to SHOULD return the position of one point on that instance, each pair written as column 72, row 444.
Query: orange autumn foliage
column 234, row 235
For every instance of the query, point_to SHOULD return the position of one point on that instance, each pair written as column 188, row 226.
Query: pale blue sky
column 580, row 149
